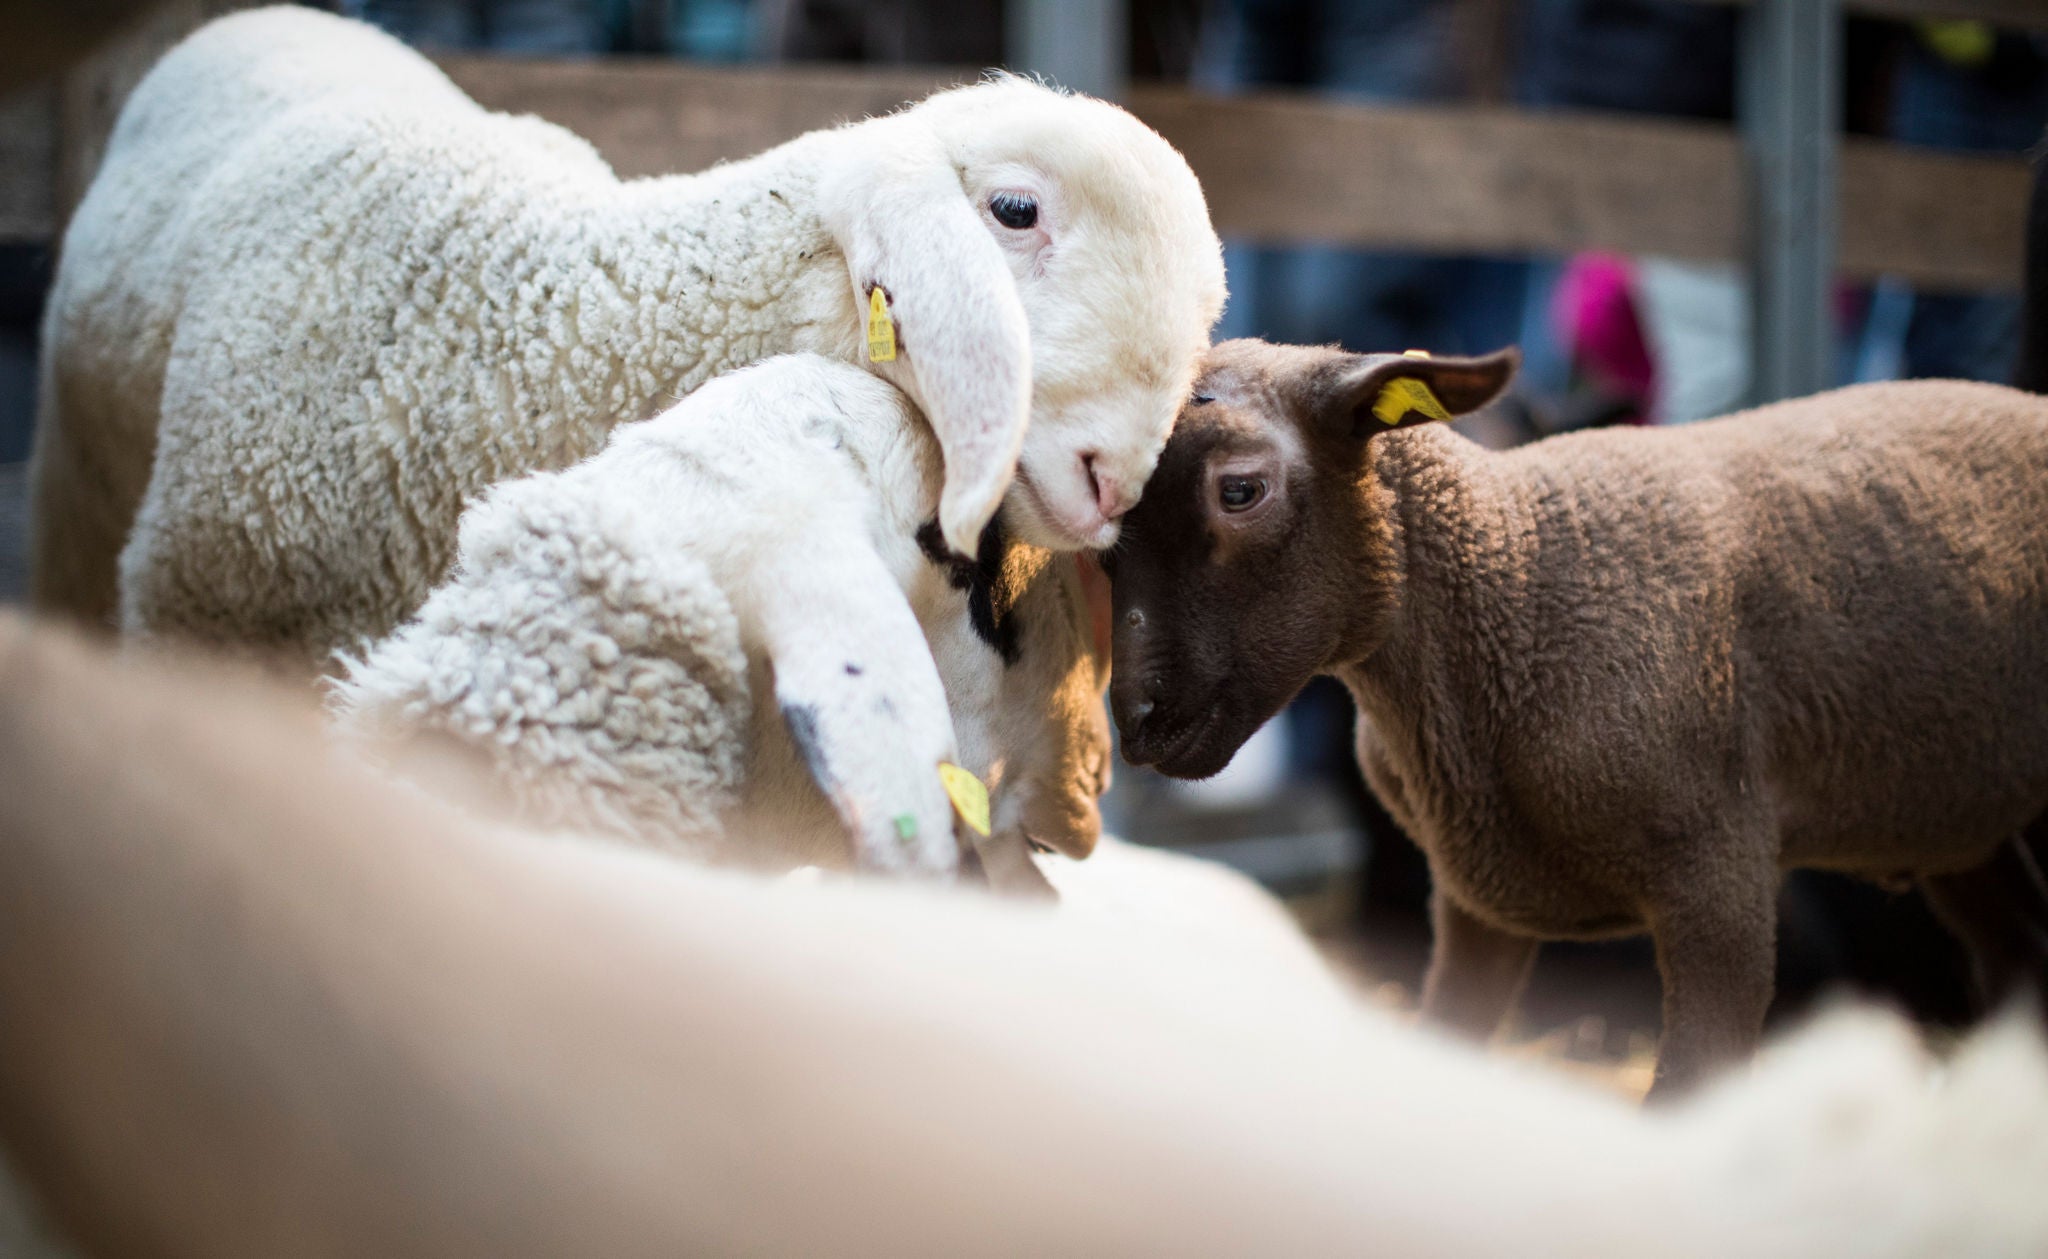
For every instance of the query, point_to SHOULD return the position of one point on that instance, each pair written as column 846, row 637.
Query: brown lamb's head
column 1260, row 554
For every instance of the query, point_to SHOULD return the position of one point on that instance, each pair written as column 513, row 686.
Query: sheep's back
column 125, row 266
column 369, row 336
column 1856, row 586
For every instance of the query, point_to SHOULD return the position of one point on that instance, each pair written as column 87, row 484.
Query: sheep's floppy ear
column 949, row 329
column 1375, row 393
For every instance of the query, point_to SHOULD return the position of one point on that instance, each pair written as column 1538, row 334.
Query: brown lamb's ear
column 1377, row 393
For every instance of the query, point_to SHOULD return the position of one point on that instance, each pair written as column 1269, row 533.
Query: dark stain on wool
column 991, row 599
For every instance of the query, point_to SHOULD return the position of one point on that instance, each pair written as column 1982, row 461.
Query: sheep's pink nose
column 1110, row 498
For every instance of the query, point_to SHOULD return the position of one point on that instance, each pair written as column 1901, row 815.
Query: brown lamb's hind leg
column 1717, row 950
column 1999, row 910
column 1476, row 970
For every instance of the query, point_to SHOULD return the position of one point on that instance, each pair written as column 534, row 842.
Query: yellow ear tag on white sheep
column 968, row 796
column 1403, row 394
column 881, row 328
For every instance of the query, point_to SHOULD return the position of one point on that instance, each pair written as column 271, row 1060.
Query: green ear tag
column 968, row 795
column 1404, row 394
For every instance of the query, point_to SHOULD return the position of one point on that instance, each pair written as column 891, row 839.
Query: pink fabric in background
column 1593, row 312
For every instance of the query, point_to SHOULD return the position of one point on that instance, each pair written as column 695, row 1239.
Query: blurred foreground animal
column 649, row 645
column 257, row 1001
column 317, row 299
column 1616, row 682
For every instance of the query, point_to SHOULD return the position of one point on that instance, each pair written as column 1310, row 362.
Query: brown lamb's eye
column 1237, row 493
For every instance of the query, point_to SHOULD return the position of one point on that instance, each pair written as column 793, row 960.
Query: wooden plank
column 1290, row 168
column 651, row 117
column 1943, row 220
column 43, row 39
column 1286, row 168
column 1487, row 180
column 1281, row 168
column 2018, row 15
column 1412, row 177
column 28, row 155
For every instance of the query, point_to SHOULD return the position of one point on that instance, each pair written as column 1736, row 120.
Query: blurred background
column 1676, row 208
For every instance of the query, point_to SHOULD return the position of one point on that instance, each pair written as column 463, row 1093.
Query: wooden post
column 1790, row 90
column 1079, row 44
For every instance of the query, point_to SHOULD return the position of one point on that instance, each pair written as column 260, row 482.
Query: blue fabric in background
column 1669, row 57
column 701, row 30
column 1997, row 105
column 534, row 27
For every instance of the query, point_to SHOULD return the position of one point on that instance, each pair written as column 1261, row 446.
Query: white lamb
column 338, row 299
column 648, row 645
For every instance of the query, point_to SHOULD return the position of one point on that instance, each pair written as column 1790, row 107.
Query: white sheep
column 645, row 645
column 338, row 299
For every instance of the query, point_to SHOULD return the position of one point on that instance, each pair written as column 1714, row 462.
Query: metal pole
column 1078, row 44
column 1791, row 91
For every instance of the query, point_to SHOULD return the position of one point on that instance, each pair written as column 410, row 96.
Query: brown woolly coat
column 1617, row 681
column 1641, row 651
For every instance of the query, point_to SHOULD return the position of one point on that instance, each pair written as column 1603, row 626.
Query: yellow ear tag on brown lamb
column 969, row 797
column 1403, row 394
column 881, row 328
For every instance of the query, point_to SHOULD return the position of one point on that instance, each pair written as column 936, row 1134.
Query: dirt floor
column 1590, row 1011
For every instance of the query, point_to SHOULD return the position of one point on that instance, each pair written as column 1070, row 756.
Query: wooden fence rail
column 1285, row 168
column 1278, row 168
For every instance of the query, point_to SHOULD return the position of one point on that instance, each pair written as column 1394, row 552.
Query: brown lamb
column 1617, row 681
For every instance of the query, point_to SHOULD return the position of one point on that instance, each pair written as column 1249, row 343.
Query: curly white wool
column 338, row 300
column 600, row 669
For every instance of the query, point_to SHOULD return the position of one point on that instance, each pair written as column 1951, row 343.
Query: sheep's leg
column 1999, row 910
column 1476, row 970
column 1007, row 866
column 1716, row 949
column 862, row 699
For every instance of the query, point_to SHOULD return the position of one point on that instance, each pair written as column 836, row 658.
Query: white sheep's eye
column 1014, row 210
column 1237, row 493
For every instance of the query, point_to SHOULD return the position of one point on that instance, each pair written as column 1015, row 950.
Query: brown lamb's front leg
column 1476, row 970
column 1716, row 943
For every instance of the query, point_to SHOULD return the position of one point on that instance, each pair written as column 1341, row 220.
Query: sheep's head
column 1050, row 276
column 1262, row 552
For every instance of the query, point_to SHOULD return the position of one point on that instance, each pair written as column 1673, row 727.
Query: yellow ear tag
column 1403, row 394
column 881, row 329
column 968, row 796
